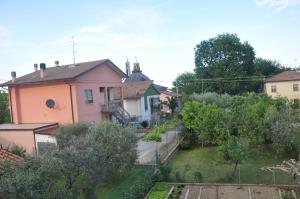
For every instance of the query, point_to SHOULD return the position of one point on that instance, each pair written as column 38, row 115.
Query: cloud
column 130, row 28
column 278, row 5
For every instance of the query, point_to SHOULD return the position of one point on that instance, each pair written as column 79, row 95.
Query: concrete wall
column 21, row 138
column 284, row 89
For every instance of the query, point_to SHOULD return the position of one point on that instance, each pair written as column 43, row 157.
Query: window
column 273, row 89
column 295, row 87
column 88, row 94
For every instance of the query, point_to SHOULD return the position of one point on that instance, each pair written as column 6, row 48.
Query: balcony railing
column 112, row 106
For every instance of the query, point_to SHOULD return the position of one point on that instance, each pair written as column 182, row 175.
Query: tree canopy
column 4, row 108
column 225, row 64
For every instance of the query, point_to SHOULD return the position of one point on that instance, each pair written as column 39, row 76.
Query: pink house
column 85, row 92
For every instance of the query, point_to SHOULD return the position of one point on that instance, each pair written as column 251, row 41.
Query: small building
column 63, row 94
column 141, row 101
column 285, row 84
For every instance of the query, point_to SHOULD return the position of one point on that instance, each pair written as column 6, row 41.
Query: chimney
column 35, row 66
column 127, row 64
column 42, row 69
column 13, row 76
column 57, row 63
column 136, row 67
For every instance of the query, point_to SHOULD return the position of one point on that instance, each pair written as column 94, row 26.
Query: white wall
column 44, row 138
column 132, row 106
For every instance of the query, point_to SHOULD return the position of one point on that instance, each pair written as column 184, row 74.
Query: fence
column 243, row 175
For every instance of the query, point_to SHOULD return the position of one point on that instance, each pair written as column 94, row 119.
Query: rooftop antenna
column 73, row 47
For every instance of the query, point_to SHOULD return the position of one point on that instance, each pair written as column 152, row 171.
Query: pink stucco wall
column 29, row 103
column 21, row 138
column 103, row 76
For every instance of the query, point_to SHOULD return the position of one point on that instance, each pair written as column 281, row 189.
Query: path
column 147, row 150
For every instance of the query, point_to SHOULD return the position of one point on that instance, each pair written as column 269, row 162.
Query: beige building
column 285, row 84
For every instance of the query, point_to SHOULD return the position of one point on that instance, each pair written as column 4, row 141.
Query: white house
column 141, row 101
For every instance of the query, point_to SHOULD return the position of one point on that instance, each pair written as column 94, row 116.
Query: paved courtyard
column 147, row 150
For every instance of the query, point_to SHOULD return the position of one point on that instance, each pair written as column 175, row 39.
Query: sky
column 159, row 34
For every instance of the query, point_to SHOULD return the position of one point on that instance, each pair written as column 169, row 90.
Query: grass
column 119, row 185
column 160, row 190
column 214, row 169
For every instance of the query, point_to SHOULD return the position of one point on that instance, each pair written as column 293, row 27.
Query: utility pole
column 73, row 49
column 202, row 85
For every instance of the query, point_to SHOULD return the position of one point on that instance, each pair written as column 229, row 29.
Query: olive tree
column 33, row 178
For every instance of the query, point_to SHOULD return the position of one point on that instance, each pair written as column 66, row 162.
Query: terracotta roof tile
column 6, row 155
column 285, row 76
column 136, row 89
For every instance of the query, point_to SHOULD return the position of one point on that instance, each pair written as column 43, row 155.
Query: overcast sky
column 161, row 34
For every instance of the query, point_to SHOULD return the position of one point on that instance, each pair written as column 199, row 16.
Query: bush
column 140, row 187
column 152, row 137
column 165, row 171
column 144, row 124
column 185, row 144
column 198, row 176
column 18, row 150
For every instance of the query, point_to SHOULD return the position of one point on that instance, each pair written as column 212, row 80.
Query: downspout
column 36, row 152
column 71, row 98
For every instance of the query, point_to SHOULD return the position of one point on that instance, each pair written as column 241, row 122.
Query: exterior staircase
column 115, row 107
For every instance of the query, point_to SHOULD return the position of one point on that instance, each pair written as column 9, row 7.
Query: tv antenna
column 73, row 49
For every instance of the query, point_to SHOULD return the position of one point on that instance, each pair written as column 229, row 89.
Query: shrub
column 152, row 137
column 198, row 176
column 165, row 171
column 185, row 144
column 18, row 150
column 144, row 124
column 140, row 187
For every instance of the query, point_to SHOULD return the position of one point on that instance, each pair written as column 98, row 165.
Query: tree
column 281, row 128
column 92, row 155
column 266, row 67
column 34, row 178
column 225, row 56
column 186, row 83
column 207, row 120
column 235, row 150
column 4, row 108
column 171, row 103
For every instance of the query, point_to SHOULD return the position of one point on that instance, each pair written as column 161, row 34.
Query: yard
column 214, row 169
column 119, row 185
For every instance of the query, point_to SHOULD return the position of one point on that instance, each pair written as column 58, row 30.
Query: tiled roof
column 6, row 155
column 64, row 72
column 160, row 88
column 285, row 76
column 137, row 76
column 170, row 93
column 136, row 89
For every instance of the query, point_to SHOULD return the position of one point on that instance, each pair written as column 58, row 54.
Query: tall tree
column 4, row 108
column 186, row 83
column 225, row 56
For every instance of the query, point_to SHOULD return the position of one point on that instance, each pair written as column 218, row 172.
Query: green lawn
column 120, row 185
column 214, row 169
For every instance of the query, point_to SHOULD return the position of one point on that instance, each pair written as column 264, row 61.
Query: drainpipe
column 71, row 98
